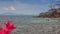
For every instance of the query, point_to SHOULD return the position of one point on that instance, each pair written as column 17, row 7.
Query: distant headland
column 52, row 13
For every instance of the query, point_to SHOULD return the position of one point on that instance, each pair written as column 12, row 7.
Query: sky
column 25, row 7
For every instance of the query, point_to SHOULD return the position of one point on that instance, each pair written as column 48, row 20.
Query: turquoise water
column 24, row 20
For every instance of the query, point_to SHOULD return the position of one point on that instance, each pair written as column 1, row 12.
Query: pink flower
column 9, row 28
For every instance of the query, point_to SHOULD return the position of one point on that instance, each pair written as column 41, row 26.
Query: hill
column 52, row 13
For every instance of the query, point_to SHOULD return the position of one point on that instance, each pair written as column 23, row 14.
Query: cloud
column 23, row 8
column 10, row 8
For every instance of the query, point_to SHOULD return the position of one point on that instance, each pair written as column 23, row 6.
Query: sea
column 23, row 23
column 23, row 20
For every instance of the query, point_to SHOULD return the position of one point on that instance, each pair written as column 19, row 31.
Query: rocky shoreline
column 52, row 13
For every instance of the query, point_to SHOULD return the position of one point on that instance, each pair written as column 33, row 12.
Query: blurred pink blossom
column 9, row 28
